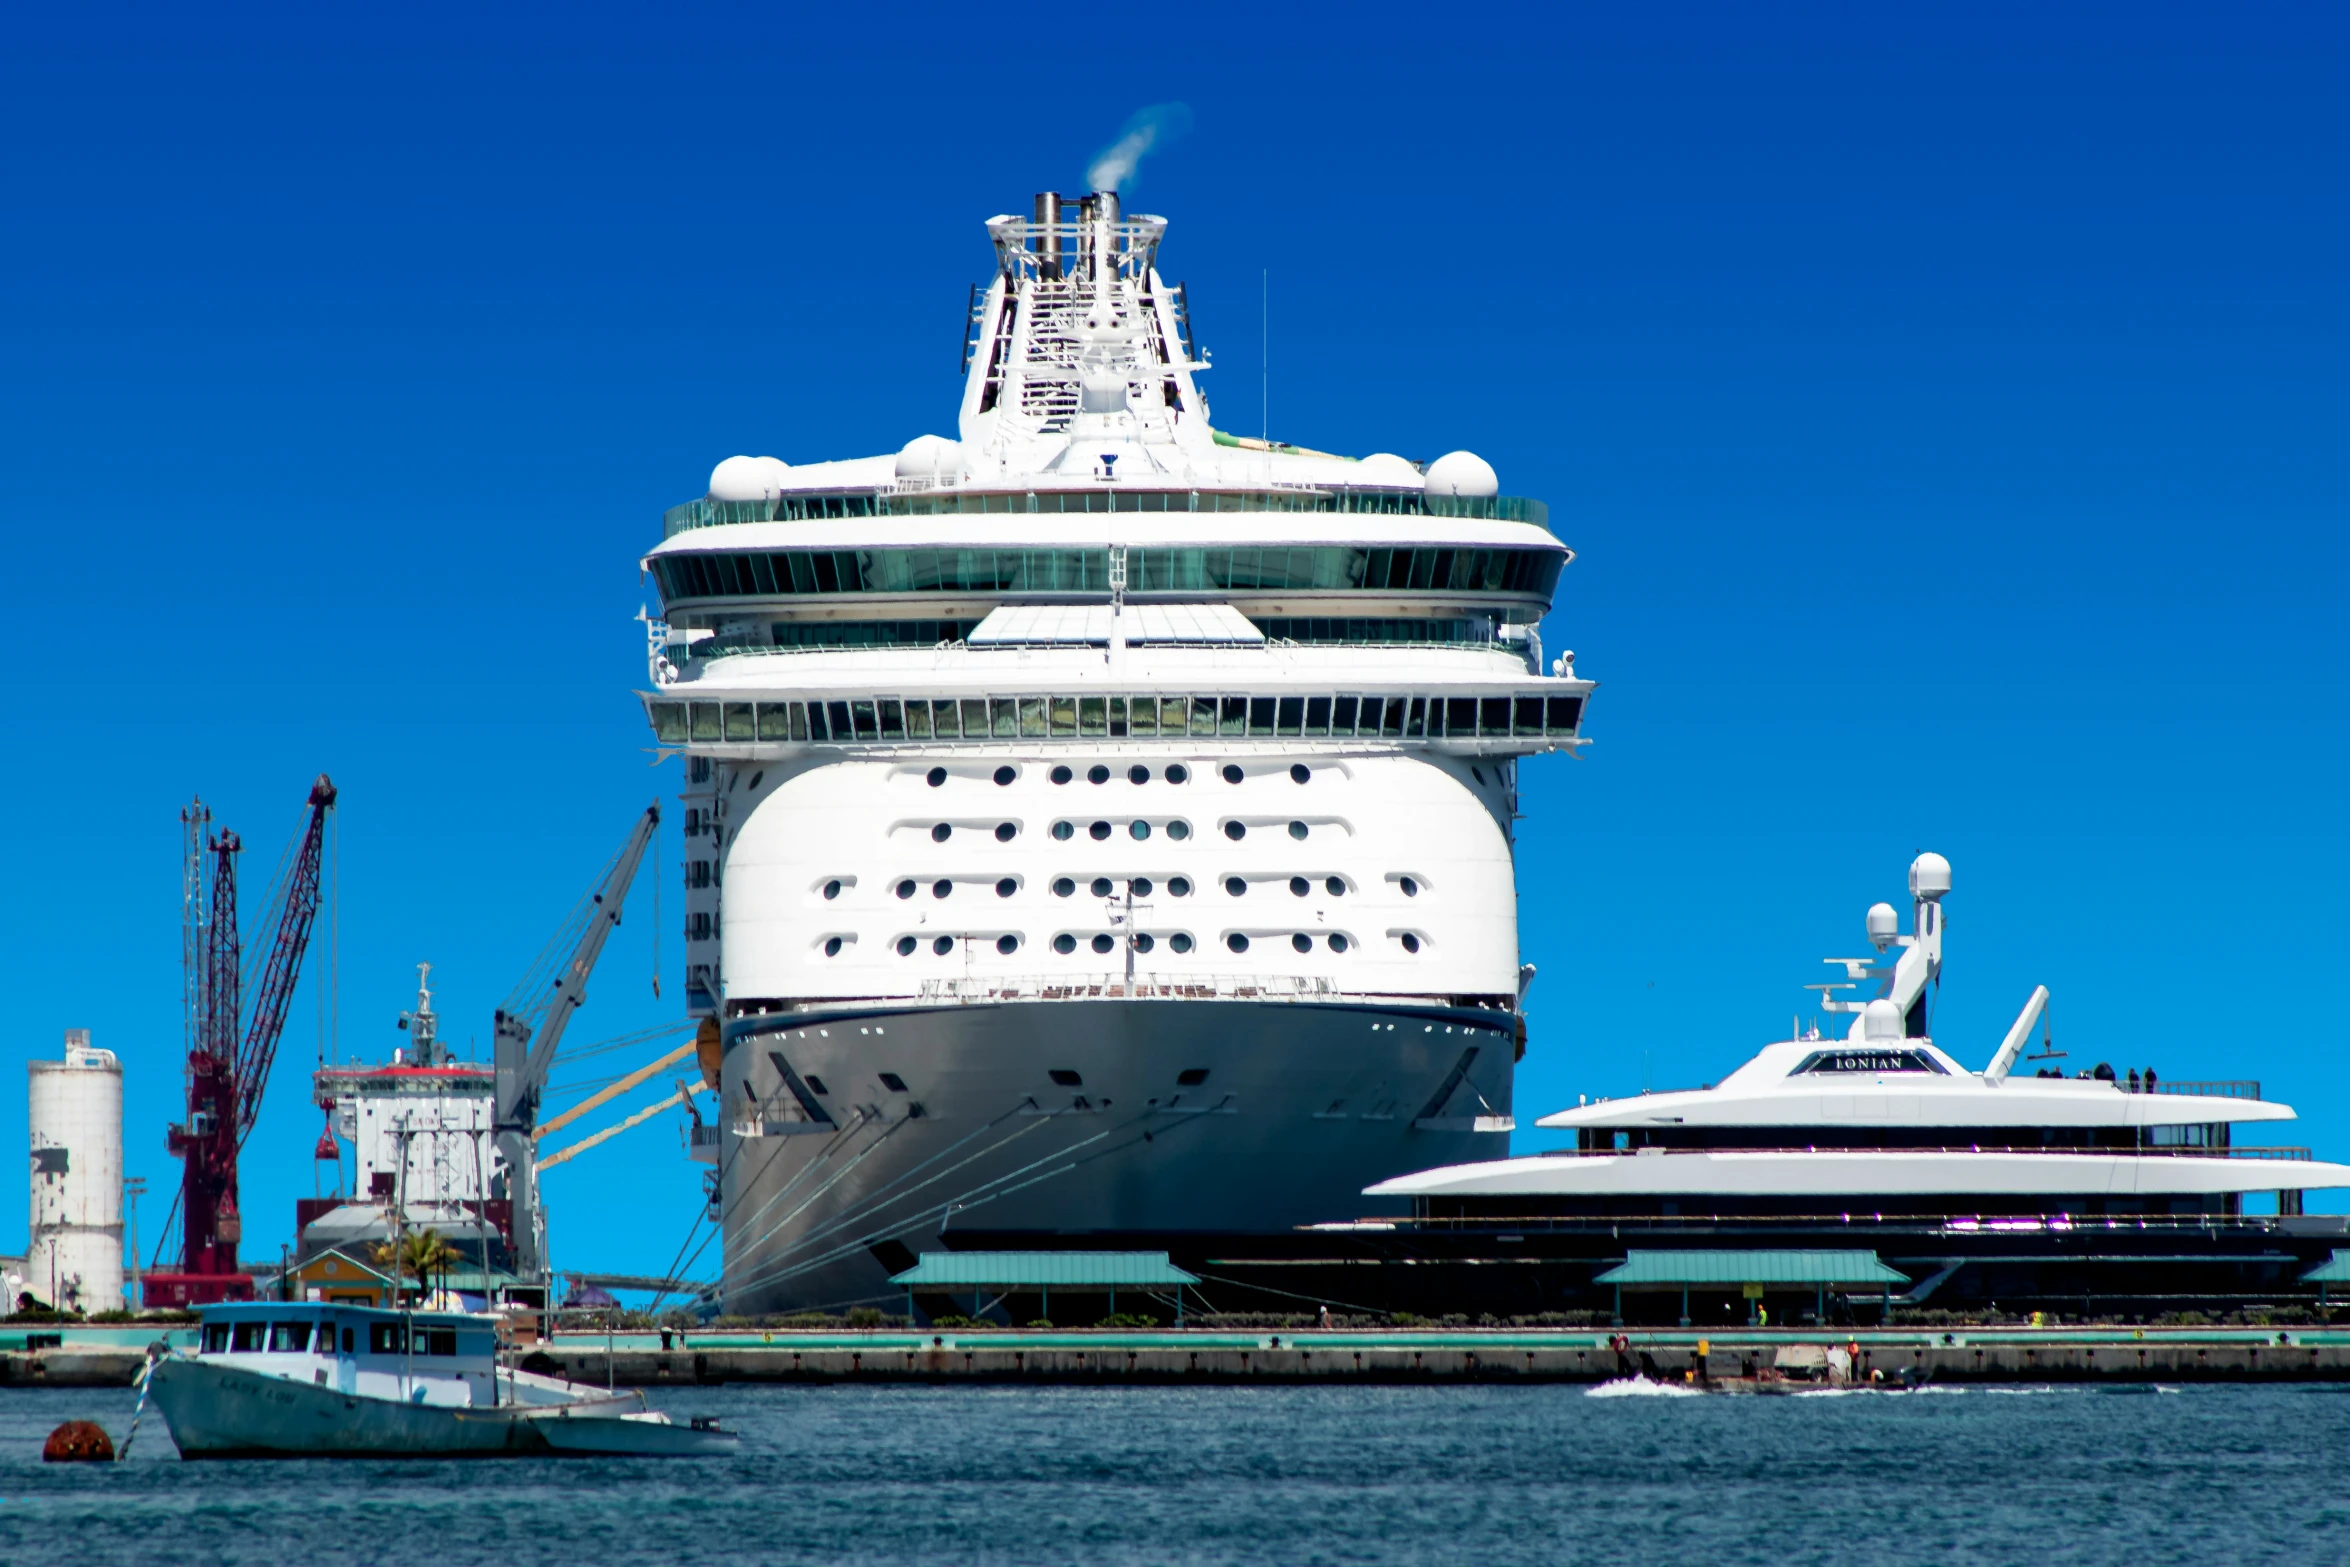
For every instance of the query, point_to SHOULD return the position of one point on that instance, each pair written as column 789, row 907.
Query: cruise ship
column 1098, row 824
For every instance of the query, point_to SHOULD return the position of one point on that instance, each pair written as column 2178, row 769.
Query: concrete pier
column 1576, row 1355
column 106, row 1357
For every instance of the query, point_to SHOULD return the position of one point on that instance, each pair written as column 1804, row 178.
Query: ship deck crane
column 530, row 1027
column 230, row 1049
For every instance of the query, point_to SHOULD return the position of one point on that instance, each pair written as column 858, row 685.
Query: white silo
column 75, row 1260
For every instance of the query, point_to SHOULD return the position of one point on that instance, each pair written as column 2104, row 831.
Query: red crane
column 230, row 1050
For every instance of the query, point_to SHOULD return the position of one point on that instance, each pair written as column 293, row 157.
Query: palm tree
column 421, row 1253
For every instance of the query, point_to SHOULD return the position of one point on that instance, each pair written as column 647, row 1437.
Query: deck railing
column 2217, row 1088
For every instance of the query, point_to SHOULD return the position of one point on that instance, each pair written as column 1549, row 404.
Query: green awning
column 1730, row 1269
column 2334, row 1270
column 1041, row 1269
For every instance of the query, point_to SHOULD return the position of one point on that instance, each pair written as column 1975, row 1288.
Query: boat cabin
column 423, row 1357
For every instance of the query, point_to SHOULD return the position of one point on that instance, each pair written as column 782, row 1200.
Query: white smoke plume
column 1114, row 166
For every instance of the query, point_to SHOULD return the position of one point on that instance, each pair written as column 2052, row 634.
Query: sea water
column 1480, row 1475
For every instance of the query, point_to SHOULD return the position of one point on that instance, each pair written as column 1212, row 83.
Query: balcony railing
column 1102, row 500
column 2217, row 1088
column 1113, row 987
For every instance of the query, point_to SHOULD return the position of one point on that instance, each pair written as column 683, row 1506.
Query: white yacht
column 1885, row 1124
column 1098, row 825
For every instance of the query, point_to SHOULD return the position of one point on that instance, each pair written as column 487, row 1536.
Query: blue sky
column 1947, row 408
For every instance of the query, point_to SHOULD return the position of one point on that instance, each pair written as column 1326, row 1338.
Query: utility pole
column 133, row 1187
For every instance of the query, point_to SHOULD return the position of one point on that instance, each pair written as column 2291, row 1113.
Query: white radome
column 1929, row 877
column 930, row 459
column 1463, row 474
column 1388, row 469
column 1884, row 925
column 748, row 479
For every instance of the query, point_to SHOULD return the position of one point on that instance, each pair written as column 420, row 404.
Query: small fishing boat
column 302, row 1379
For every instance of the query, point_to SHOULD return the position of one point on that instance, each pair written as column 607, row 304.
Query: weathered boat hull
column 230, row 1412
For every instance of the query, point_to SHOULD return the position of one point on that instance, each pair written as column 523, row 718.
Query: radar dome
column 1884, row 925
column 1388, row 469
column 1464, row 474
column 1880, row 1020
column 1929, row 877
column 748, row 479
column 929, row 459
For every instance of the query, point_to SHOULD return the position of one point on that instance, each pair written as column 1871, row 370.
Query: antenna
column 1265, row 361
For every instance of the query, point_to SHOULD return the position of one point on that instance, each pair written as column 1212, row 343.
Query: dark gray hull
column 1063, row 1119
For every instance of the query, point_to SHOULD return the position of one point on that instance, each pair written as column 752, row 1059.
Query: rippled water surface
column 1481, row 1476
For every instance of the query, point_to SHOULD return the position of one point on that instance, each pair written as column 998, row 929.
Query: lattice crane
column 231, row 1049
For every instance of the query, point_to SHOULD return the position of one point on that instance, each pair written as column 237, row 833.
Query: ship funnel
column 1048, row 234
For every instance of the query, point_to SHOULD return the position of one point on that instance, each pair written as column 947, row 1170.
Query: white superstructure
column 1887, row 1121
column 423, row 1146
column 75, row 1260
column 1094, row 704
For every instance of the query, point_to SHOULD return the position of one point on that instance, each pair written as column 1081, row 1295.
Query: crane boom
column 530, row 1028
column 295, row 915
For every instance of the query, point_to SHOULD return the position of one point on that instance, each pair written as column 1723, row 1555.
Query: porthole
column 1138, row 830
column 1232, row 772
column 1236, row 830
column 942, row 832
column 942, row 888
column 1334, row 887
column 1064, row 831
column 1299, row 886
column 905, row 946
column 1006, row 887
column 755, row 777
column 1138, row 774
column 1235, row 886
column 943, row 945
column 832, row 947
column 1191, row 1077
column 1065, row 1078
column 1177, row 773
column 1179, row 885
column 938, row 776
column 1103, row 943
column 1237, row 942
column 1410, row 888
column 1179, row 830
column 1297, row 830
column 891, row 1081
column 1302, row 942
column 1063, row 886
column 1411, row 943
column 1005, row 832
column 1004, row 775
column 1180, row 942
column 1007, row 945
column 1097, row 774
column 1061, row 775
column 905, row 889
column 1337, row 942
column 1098, row 831
column 1299, row 772
column 1144, row 942
column 1142, row 886
column 1064, row 943
column 831, row 890
column 1478, row 773
column 1101, row 887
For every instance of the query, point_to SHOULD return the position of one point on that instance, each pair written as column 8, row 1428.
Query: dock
column 110, row 1357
